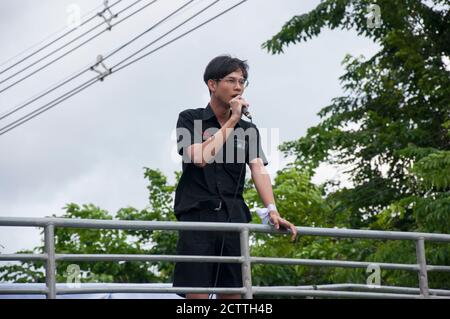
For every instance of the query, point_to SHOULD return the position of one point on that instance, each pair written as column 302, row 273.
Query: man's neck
column 221, row 110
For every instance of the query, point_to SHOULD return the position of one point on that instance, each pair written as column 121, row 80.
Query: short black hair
column 223, row 65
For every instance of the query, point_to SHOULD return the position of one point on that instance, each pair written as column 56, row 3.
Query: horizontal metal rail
column 28, row 291
column 157, row 225
column 344, row 264
column 222, row 259
column 360, row 287
column 280, row 290
column 50, row 258
column 335, row 294
column 23, row 257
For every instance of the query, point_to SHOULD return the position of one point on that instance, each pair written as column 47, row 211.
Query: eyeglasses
column 232, row 81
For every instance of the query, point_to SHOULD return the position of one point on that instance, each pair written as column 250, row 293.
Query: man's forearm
column 263, row 185
column 201, row 154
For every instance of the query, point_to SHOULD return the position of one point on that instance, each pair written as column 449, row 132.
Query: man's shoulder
column 246, row 124
column 192, row 113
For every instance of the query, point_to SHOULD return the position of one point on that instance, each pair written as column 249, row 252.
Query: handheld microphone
column 246, row 112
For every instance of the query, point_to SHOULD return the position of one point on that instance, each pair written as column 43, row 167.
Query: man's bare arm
column 202, row 153
column 263, row 185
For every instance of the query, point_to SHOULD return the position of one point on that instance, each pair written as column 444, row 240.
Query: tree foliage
column 389, row 130
column 110, row 241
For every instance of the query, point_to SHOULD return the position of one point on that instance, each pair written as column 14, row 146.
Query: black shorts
column 207, row 243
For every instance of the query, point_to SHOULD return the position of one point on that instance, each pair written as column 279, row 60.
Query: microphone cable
column 228, row 220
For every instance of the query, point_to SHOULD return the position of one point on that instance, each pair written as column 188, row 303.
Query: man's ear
column 212, row 85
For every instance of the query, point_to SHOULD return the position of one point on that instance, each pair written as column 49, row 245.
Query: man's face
column 228, row 87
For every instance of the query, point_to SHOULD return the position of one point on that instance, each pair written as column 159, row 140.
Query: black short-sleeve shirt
column 215, row 184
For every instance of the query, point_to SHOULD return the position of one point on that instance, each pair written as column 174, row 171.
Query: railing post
column 246, row 265
column 50, row 269
column 421, row 261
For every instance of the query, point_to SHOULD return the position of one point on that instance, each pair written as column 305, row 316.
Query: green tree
column 110, row 241
column 301, row 202
column 298, row 199
column 390, row 129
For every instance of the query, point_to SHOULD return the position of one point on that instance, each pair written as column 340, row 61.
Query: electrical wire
column 165, row 34
column 90, row 82
column 54, row 41
column 87, row 68
column 175, row 39
column 47, row 38
column 77, row 47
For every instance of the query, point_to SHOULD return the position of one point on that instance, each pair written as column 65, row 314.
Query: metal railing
column 50, row 257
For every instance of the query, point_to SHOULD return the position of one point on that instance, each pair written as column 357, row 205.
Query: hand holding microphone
column 240, row 106
column 246, row 112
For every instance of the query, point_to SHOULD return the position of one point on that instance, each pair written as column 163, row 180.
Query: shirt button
column 219, row 183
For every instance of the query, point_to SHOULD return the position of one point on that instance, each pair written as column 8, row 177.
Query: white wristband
column 263, row 213
column 272, row 207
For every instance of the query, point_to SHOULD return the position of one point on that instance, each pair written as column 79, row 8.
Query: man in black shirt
column 216, row 144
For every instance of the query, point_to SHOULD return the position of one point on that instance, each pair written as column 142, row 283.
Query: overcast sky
column 92, row 148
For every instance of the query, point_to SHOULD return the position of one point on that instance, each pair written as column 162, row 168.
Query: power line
column 64, row 81
column 63, row 46
column 42, row 94
column 87, row 68
column 75, row 48
column 173, row 40
column 48, row 106
column 56, row 40
column 167, row 33
column 90, row 82
column 148, row 30
column 48, row 37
